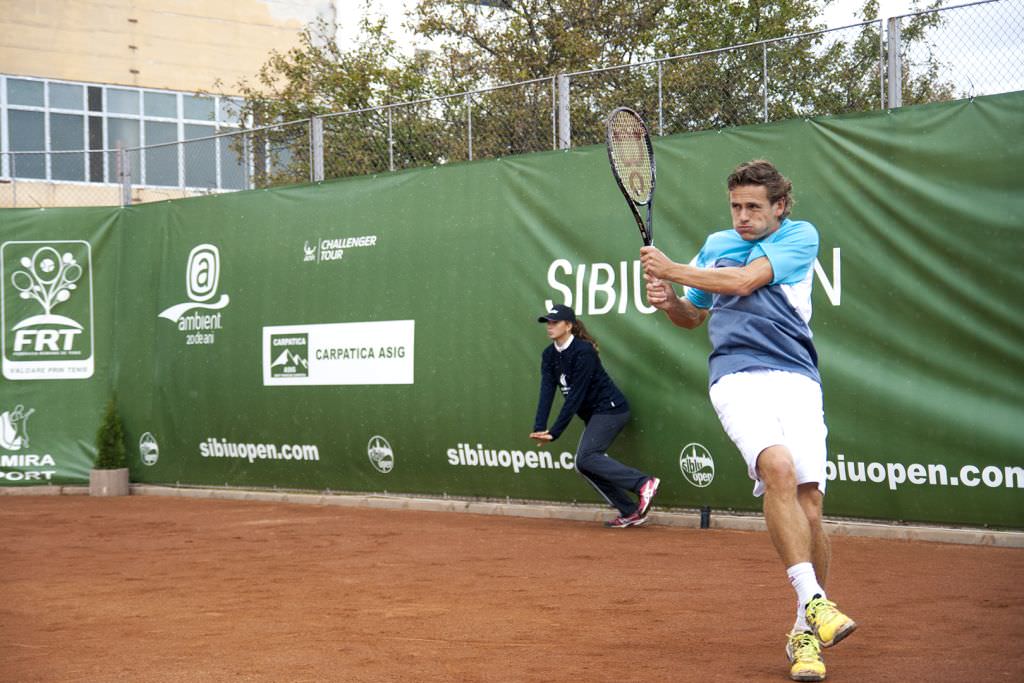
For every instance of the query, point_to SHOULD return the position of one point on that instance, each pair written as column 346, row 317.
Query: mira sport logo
column 14, row 428
column 18, row 460
column 697, row 465
column 47, row 311
column 202, row 279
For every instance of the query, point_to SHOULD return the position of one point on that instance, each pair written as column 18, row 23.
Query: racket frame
column 646, row 228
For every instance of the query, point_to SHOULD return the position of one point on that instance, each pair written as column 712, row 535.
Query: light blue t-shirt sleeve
column 791, row 250
column 698, row 297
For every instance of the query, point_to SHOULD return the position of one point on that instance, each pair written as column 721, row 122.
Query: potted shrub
column 109, row 476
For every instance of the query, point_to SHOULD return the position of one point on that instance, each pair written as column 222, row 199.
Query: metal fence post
column 881, row 64
column 316, row 148
column 247, row 161
column 391, row 143
column 895, row 65
column 564, row 121
column 14, row 181
column 764, row 77
column 661, row 102
column 124, row 173
column 469, row 124
column 554, row 112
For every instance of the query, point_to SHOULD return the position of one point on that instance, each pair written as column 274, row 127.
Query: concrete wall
column 185, row 45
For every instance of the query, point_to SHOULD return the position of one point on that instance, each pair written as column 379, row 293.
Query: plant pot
column 108, row 482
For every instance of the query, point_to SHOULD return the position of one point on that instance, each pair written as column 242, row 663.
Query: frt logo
column 47, row 313
column 45, row 341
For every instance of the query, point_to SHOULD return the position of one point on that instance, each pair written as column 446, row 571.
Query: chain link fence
column 937, row 55
column 970, row 50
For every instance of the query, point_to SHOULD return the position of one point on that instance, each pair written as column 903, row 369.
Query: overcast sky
column 842, row 12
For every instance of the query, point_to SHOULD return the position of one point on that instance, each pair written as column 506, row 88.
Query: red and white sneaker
column 647, row 493
column 626, row 521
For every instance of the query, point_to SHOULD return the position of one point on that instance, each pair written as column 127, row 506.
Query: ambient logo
column 47, row 309
column 333, row 248
column 291, row 355
column 19, row 465
column 202, row 278
column 697, row 465
column 381, row 456
column 149, row 449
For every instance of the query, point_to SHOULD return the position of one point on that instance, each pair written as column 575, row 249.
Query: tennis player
column 571, row 363
column 755, row 283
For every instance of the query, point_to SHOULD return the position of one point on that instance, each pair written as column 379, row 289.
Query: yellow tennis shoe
column 804, row 652
column 829, row 624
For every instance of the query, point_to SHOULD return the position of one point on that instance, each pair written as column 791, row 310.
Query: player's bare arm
column 740, row 281
column 679, row 310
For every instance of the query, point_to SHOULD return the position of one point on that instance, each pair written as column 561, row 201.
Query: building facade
column 99, row 75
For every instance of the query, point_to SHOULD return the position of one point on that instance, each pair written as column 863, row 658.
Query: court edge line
column 584, row 513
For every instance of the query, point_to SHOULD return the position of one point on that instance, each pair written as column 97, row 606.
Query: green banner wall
column 379, row 334
column 58, row 270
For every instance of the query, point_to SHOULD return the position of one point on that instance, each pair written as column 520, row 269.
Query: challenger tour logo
column 333, row 249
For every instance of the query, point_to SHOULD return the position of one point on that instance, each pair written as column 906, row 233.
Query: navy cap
column 558, row 312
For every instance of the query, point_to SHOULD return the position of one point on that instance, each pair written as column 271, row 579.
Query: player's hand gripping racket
column 632, row 159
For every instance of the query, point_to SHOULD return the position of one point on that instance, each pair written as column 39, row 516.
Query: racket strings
column 631, row 157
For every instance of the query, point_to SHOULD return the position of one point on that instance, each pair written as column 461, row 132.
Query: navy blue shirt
column 586, row 387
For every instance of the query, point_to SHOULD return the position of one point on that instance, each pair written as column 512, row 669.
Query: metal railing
column 936, row 55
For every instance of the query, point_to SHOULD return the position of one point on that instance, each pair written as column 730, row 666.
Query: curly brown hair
column 762, row 172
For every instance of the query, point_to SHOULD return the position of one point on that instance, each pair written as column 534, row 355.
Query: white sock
column 805, row 583
column 800, row 625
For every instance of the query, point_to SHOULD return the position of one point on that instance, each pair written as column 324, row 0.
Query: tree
column 111, row 453
column 518, row 40
column 456, row 111
column 317, row 78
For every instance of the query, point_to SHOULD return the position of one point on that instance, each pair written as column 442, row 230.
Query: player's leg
column 787, row 525
column 810, row 499
column 804, row 427
column 792, row 533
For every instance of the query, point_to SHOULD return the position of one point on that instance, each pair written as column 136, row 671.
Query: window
column 20, row 91
column 197, row 107
column 161, row 159
column 161, row 104
column 69, row 132
column 27, row 132
column 67, row 96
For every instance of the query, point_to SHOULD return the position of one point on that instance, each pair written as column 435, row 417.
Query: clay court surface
column 171, row 589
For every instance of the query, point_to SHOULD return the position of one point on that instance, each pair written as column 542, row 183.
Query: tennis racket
column 632, row 159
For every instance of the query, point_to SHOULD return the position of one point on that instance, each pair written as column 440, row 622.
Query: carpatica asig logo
column 202, row 278
column 291, row 355
column 47, row 314
column 697, row 465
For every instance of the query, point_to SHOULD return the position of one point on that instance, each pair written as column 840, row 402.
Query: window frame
column 221, row 126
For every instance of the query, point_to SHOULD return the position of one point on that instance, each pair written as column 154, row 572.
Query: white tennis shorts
column 765, row 408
